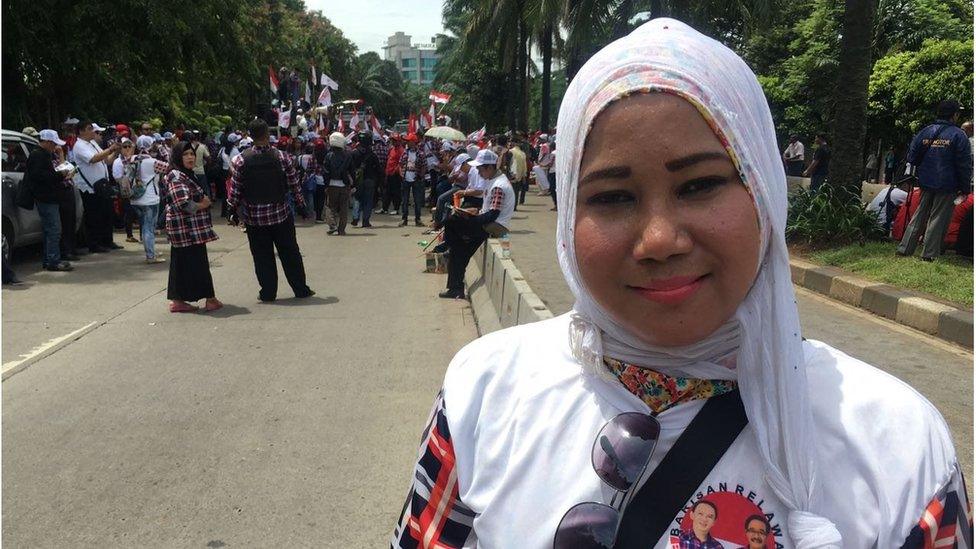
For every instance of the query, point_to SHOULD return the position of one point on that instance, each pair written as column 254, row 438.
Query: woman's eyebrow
column 692, row 159
column 613, row 172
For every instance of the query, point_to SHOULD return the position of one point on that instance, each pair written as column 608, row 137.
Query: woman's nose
column 662, row 235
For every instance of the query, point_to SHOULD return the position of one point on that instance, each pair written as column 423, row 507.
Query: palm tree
column 851, row 94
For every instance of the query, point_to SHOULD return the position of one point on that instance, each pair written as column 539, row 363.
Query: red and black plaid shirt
column 264, row 214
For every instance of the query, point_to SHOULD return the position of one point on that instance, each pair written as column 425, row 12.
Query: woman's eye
column 612, row 197
column 701, row 187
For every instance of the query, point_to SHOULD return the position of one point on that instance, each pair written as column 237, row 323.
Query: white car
column 22, row 227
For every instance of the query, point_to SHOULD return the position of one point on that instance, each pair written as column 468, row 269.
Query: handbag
column 25, row 195
column 103, row 187
column 650, row 513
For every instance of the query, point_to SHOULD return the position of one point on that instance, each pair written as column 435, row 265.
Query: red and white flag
column 325, row 98
column 321, row 125
column 354, row 120
column 439, row 97
column 375, row 124
column 427, row 118
column 342, row 125
column 478, row 135
column 308, row 94
column 412, row 124
column 273, row 80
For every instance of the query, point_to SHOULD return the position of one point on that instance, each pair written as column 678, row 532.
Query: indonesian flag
column 439, row 97
column 354, row 120
column 342, row 125
column 478, row 135
column 375, row 124
column 412, row 124
column 328, row 82
column 325, row 98
column 321, row 125
column 308, row 93
column 273, row 80
column 427, row 118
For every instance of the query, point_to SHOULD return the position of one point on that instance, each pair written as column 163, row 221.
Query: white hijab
column 764, row 334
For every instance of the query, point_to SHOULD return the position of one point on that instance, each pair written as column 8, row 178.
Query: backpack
column 132, row 182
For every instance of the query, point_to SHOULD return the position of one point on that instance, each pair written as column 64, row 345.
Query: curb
column 500, row 296
column 904, row 307
column 45, row 350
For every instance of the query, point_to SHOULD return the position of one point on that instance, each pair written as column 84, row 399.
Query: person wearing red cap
column 413, row 167
column 393, row 180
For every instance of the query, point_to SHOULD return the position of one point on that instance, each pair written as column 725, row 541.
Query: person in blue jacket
column 942, row 157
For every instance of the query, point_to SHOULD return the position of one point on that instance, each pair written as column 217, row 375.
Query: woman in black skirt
column 189, row 228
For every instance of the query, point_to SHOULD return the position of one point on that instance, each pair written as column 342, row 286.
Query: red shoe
column 182, row 307
column 212, row 305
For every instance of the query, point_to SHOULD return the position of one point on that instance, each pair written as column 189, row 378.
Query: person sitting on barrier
column 467, row 229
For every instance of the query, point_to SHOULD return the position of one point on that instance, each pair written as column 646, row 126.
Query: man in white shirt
column 878, row 206
column 468, row 228
column 92, row 162
column 793, row 157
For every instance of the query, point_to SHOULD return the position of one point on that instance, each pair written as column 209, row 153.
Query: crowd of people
column 168, row 184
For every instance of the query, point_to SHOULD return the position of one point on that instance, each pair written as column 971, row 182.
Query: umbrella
column 445, row 132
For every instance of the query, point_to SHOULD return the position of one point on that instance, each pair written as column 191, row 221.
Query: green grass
column 949, row 276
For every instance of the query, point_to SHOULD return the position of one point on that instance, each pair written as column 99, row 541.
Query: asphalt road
column 293, row 424
column 942, row 372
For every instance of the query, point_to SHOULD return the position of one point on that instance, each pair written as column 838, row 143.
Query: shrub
column 831, row 215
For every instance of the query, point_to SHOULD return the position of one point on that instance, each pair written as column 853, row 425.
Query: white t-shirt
column 149, row 177
column 84, row 151
column 409, row 172
column 898, row 198
column 508, row 201
column 523, row 417
column 794, row 151
column 475, row 181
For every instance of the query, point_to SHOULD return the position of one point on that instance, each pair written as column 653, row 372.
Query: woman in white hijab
column 671, row 237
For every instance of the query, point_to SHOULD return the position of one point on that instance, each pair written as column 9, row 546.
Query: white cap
column 247, row 141
column 97, row 128
column 233, row 138
column 168, row 135
column 50, row 135
column 144, row 142
column 29, row 130
column 486, row 157
column 336, row 139
column 472, row 150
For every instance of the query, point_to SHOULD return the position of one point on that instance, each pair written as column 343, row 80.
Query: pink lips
column 670, row 291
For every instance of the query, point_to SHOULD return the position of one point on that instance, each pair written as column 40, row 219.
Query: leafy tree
column 906, row 86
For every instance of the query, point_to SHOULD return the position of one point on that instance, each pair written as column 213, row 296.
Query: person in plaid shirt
column 189, row 228
column 261, row 179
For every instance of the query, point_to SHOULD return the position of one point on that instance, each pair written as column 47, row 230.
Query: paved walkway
column 292, row 424
column 940, row 371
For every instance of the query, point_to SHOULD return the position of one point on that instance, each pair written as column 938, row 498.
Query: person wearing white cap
column 681, row 378
column 468, row 229
column 92, row 180
column 144, row 174
column 29, row 130
column 48, row 187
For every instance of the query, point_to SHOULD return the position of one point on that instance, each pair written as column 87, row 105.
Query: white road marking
column 43, row 350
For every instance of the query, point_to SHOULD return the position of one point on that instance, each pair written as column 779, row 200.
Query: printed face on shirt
column 667, row 236
column 756, row 532
column 703, row 518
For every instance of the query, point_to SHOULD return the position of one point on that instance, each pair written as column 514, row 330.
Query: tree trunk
column 523, row 67
column 546, row 78
column 851, row 95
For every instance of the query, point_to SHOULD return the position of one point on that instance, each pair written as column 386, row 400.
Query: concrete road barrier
column 917, row 311
column 500, row 296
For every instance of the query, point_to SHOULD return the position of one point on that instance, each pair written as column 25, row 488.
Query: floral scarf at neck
column 660, row 391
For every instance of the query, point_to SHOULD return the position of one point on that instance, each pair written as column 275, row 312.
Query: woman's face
column 189, row 159
column 667, row 236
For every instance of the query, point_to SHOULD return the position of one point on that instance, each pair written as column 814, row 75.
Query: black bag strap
column 703, row 443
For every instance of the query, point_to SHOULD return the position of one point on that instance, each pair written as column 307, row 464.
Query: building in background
column 417, row 63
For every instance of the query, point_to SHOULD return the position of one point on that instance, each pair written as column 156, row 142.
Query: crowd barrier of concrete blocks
column 496, row 280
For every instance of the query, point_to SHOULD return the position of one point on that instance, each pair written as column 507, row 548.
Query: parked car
column 21, row 227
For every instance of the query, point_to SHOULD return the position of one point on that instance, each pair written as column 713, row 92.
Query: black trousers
column 69, row 218
column 463, row 237
column 263, row 241
column 98, row 220
column 393, row 191
column 319, row 201
column 416, row 188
